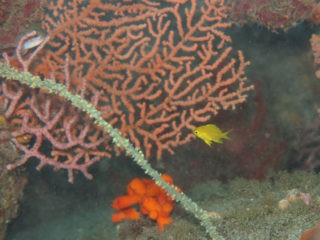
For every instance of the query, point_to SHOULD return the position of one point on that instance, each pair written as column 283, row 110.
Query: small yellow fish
column 211, row 132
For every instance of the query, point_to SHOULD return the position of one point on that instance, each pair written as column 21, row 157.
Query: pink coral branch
column 155, row 71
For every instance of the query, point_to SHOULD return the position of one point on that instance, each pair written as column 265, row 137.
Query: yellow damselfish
column 211, row 132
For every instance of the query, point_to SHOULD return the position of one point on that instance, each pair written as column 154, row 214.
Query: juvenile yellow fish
column 211, row 132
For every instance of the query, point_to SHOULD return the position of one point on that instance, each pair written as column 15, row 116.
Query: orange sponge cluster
column 312, row 234
column 152, row 199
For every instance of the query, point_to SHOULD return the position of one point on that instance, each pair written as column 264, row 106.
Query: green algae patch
column 251, row 209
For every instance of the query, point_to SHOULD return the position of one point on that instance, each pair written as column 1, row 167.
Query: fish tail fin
column 225, row 135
